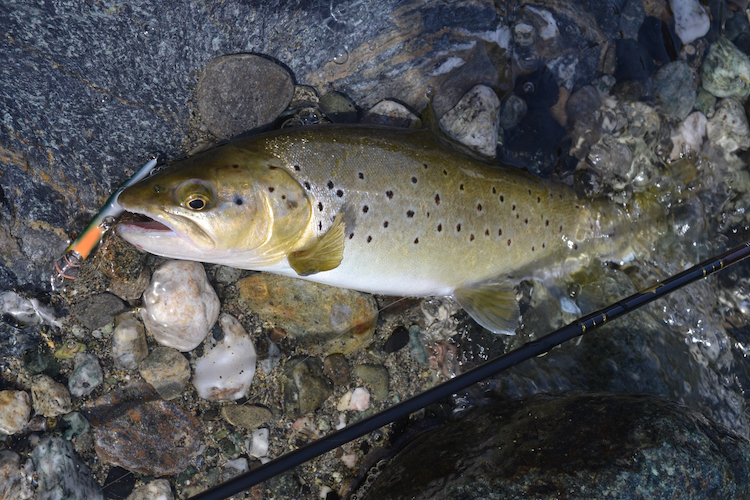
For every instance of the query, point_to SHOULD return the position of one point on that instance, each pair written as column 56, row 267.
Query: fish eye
column 194, row 195
column 197, row 203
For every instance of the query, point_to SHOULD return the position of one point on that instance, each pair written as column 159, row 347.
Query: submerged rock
column 242, row 92
column 86, row 376
column 98, row 310
column 15, row 481
column 15, row 409
column 474, row 121
column 690, row 18
column 392, row 114
column 688, row 138
column 726, row 70
column 167, row 370
column 728, row 127
column 305, row 386
column 576, row 446
column 158, row 489
column 49, row 398
column 62, row 475
column 322, row 318
column 226, row 371
column 129, row 346
column 246, row 416
column 179, row 306
column 674, row 89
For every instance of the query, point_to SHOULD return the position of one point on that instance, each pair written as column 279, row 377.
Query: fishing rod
column 461, row 382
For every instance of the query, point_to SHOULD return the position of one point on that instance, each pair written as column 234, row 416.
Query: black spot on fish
column 235, row 166
column 546, row 222
column 296, row 168
column 320, row 226
column 512, row 207
column 575, row 246
column 437, row 199
column 385, row 224
column 445, row 172
column 494, row 191
column 526, row 220
column 544, row 245
column 461, row 187
column 440, row 227
column 508, row 241
column 351, row 235
column 365, row 209
column 416, row 240
column 361, row 175
column 413, row 180
column 458, row 228
column 320, row 206
column 369, row 239
column 157, row 188
column 330, row 185
column 479, row 207
column 283, row 197
column 425, row 166
column 532, row 249
column 339, row 193
column 410, row 213
column 538, row 199
column 518, row 216
column 389, row 194
column 307, row 185
column 471, row 237
column 560, row 231
column 529, row 191
column 428, row 215
column 270, row 189
column 499, row 232
column 502, row 199
column 486, row 232
column 238, row 201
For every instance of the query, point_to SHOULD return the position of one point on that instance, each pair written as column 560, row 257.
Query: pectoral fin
column 323, row 254
column 492, row 304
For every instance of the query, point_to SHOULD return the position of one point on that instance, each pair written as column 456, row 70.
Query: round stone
column 50, row 398
column 15, row 408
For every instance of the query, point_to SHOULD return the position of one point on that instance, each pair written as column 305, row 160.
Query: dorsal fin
column 323, row 254
column 492, row 304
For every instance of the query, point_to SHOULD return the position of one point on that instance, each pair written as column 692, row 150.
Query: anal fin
column 323, row 254
column 492, row 304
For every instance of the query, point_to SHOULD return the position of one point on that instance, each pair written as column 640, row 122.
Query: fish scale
column 388, row 211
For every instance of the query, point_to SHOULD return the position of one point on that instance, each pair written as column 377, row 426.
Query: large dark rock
column 576, row 447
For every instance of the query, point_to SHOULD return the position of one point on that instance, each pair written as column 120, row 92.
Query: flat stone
column 337, row 368
column 246, row 416
column 242, row 92
column 167, row 370
column 98, row 310
column 321, row 318
column 156, row 437
column 305, row 386
column 375, row 377
column 61, row 474
column 15, row 409
column 49, row 398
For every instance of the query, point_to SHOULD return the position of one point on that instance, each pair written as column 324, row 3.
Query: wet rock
column 179, row 306
column 86, row 375
column 98, row 310
column 391, row 114
column 129, row 346
column 474, row 120
column 259, row 443
column 322, row 318
column 360, row 399
column 158, row 489
column 397, row 340
column 167, row 370
column 225, row 274
column 337, row 368
column 690, row 18
column 726, row 70
column 131, row 290
column 304, row 96
column 15, row 481
column 78, row 425
column 246, row 416
column 632, row 16
column 15, row 409
column 61, row 473
column 687, row 139
column 512, row 111
column 674, row 89
column 728, row 128
column 226, row 370
column 658, row 39
column 538, row 89
column 338, row 107
column 521, row 145
column 118, row 484
column 69, row 349
column 579, row 446
column 156, row 437
column 305, row 386
column 634, row 62
column 48, row 397
column 242, row 92
column 375, row 377
column 705, row 102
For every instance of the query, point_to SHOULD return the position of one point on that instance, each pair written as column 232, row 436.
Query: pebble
column 474, row 121
column 98, row 310
column 375, row 377
column 86, row 376
column 242, row 92
column 246, row 416
column 16, row 482
column 258, row 446
column 226, row 370
column 15, row 409
column 705, row 102
column 397, row 340
column 321, row 318
column 690, row 18
column 157, row 438
column 726, row 70
column 78, row 425
column 687, row 139
column 158, row 489
column 337, row 368
column 61, row 474
column 119, row 483
column 179, row 306
column 69, row 349
column 521, row 145
column 49, row 398
column 674, row 89
column 728, row 127
column 226, row 274
column 512, row 111
column 391, row 114
column 167, row 370
column 338, row 108
column 131, row 290
column 305, row 386
column 360, row 399
column 129, row 346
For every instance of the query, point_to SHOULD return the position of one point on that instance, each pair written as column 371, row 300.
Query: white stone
column 324, row 491
column 691, row 20
column 393, row 114
column 342, row 422
column 240, row 465
column 179, row 306
column 474, row 121
column 129, row 346
column 15, row 409
column 157, row 489
column 226, row 371
column 343, row 403
column 728, row 128
column 687, row 139
column 259, row 443
column 86, row 375
column 49, row 398
column 349, row 459
column 61, row 473
column 15, row 481
column 360, row 399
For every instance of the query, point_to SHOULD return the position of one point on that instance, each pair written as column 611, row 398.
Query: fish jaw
column 160, row 239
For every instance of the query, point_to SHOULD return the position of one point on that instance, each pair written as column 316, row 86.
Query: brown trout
column 387, row 211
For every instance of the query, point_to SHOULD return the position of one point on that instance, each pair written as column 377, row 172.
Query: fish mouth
column 162, row 238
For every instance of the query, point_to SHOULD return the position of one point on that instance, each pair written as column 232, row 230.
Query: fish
column 399, row 212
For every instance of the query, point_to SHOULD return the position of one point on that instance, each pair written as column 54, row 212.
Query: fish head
column 226, row 205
